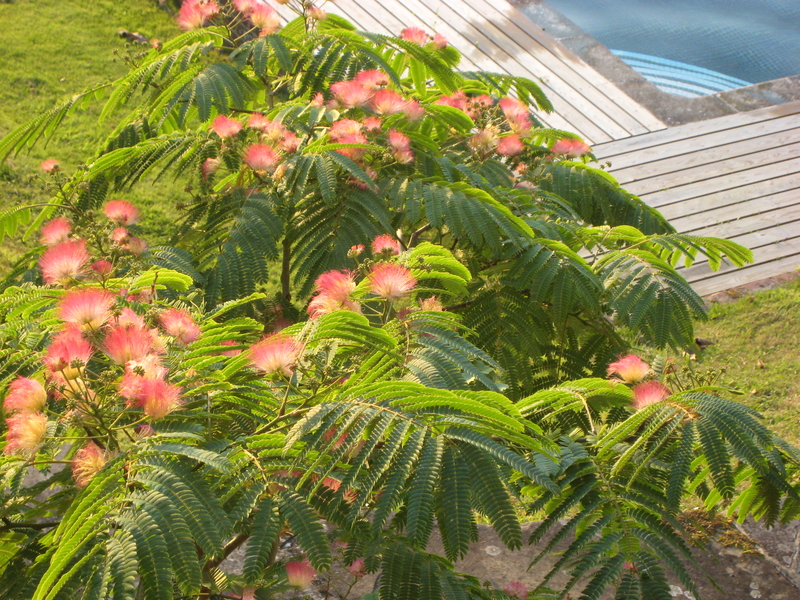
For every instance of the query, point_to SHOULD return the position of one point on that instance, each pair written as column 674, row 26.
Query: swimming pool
column 696, row 47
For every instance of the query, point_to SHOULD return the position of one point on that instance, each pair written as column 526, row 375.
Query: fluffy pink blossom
column 517, row 114
column 136, row 372
column 401, row 146
column 318, row 101
column 351, row 93
column 119, row 235
column 276, row 353
column 431, row 303
column 456, row 100
column 413, row 110
column 290, row 142
column 439, row 41
column 122, row 212
column 510, row 145
column 266, row 18
column 516, row 589
column 25, row 395
column 356, row 250
column 322, row 305
column 128, row 317
column 316, row 13
column 102, row 267
column 338, row 285
column 345, row 128
column 373, row 124
column 26, row 432
column 49, row 166
column 261, row 157
column 55, row 231
column 570, row 148
column 209, row 167
column 88, row 309
column 649, row 392
column 358, row 569
column 388, row 102
column 630, row 368
column 245, row 6
column 385, row 243
column 194, row 13
column 125, row 343
column 372, row 78
column 300, row 573
column 87, row 463
column 135, row 245
column 180, row 325
column 415, row 35
column 225, row 127
column 68, row 353
column 484, row 141
column 157, row 398
column 64, row 262
column 390, row 280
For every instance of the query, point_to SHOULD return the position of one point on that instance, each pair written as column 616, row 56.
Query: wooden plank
column 695, row 159
column 514, row 23
column 693, row 130
column 776, row 251
column 711, row 140
column 541, row 63
column 753, row 222
column 717, row 173
column 581, row 117
column 726, row 281
column 723, row 198
column 716, row 185
column 699, row 222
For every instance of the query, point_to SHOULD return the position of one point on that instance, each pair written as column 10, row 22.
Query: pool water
column 696, row 47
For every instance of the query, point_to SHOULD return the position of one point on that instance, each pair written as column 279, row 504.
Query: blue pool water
column 696, row 47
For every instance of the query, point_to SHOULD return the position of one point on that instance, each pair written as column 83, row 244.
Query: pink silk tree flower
column 322, row 304
column 87, row 463
column 571, row 148
column 413, row 110
column 25, row 396
column 358, row 569
column 157, row 398
column 64, row 262
column 180, row 325
column 125, row 343
column 351, row 93
column 630, row 368
column 122, row 212
column 136, row 371
column 88, row 309
column 194, row 13
column 316, row 13
column 49, row 166
column 261, row 157
column 456, row 100
column 516, row 589
column 510, row 145
column 391, row 281
column 26, row 432
column 225, row 127
column 388, row 102
column 344, row 128
column 102, row 267
column 55, row 231
column 649, row 392
column 300, row 573
column 415, row 35
column 372, row 78
column 439, row 41
column 265, row 18
column 209, row 167
column 338, row 285
column 135, row 245
column 386, row 244
column 119, row 235
column 68, row 353
column 276, row 353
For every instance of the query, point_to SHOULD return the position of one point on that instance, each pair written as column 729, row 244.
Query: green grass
column 50, row 49
column 757, row 342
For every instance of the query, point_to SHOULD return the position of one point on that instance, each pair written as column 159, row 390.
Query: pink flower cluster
column 571, row 148
column 26, row 423
column 194, row 13
column 632, row 370
column 418, row 36
column 367, row 90
column 261, row 15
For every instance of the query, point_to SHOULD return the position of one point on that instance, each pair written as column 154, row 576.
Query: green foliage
column 449, row 373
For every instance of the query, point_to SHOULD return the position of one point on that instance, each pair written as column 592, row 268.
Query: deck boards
column 494, row 36
column 736, row 177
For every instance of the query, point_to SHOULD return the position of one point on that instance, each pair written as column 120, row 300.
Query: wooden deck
column 494, row 36
column 735, row 177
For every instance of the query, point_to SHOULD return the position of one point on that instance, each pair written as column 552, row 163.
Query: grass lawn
column 50, row 49
column 757, row 341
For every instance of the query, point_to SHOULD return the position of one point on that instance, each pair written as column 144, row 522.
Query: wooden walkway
column 735, row 177
column 494, row 36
